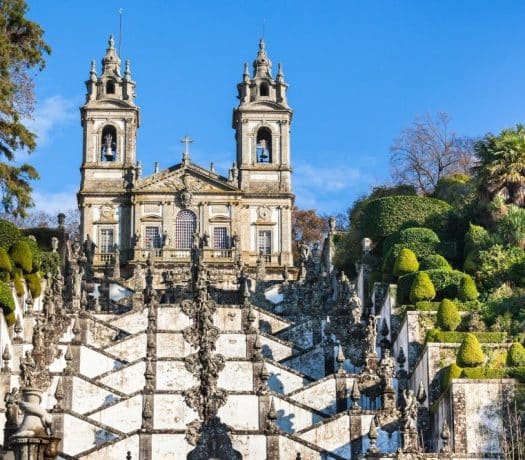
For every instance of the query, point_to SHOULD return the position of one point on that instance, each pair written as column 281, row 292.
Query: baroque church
column 180, row 327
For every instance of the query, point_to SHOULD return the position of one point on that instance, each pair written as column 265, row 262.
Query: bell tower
column 262, row 128
column 109, row 120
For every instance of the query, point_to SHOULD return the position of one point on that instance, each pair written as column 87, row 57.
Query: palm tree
column 501, row 165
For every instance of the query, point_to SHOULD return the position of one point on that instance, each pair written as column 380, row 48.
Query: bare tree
column 429, row 150
column 47, row 220
column 512, row 436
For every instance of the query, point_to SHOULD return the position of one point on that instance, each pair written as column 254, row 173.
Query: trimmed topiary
column 448, row 317
column 516, row 355
column 435, row 262
column 22, row 257
column 6, row 298
column 10, row 318
column 5, row 261
column 36, row 254
column 470, row 353
column 33, row 283
column 467, row 289
column 421, row 240
column 477, row 238
column 9, row 234
column 406, row 262
column 385, row 216
column 453, row 371
column 422, row 288
column 18, row 281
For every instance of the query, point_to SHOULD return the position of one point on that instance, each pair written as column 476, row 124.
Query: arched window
column 110, row 87
column 185, row 226
column 109, row 143
column 264, row 146
column 264, row 90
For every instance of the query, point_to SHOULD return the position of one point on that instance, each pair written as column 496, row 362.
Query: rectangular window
column 264, row 244
column 153, row 237
column 106, row 240
column 220, row 238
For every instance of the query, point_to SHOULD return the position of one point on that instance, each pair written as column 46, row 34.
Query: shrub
column 6, row 298
column 448, row 317
column 18, row 281
column 21, row 254
column 476, row 239
column 385, row 216
column 453, row 371
column 446, row 284
column 496, row 266
column 422, row 288
column 9, row 234
column 50, row 263
column 5, row 261
column 517, row 373
column 435, row 262
column 33, row 283
column 413, row 237
column 36, row 254
column 438, row 336
column 516, row 355
column 406, row 262
column 10, row 318
column 470, row 353
column 456, row 189
column 467, row 289
column 483, row 373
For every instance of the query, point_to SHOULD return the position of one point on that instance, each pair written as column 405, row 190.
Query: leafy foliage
column 5, row 261
column 446, row 284
column 22, row 49
column 385, row 216
column 33, row 283
column 467, row 289
column 435, row 262
column 18, row 281
column 438, row 336
column 456, row 189
column 6, row 298
column 453, row 371
column 470, row 353
column 510, row 228
column 483, row 373
column 448, row 317
column 21, row 254
column 516, row 355
column 9, row 234
column 422, row 288
column 406, row 262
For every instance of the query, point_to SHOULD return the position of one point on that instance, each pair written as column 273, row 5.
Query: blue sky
column 359, row 72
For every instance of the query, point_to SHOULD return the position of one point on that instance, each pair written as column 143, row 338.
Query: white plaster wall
column 130, row 349
column 275, row 324
column 292, row 418
column 88, row 397
column 114, row 451
column 245, row 419
column 275, row 350
column 332, row 435
column 171, row 412
column 93, row 363
column 236, row 376
column 125, row 416
column 133, row 322
column 172, row 345
column 85, row 436
column 282, row 380
column 320, row 396
column 172, row 375
column 228, row 319
column 293, row 448
column 169, row 446
column 250, row 446
column 232, row 345
column 171, row 319
column 127, row 380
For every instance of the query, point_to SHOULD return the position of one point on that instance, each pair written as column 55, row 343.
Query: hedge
column 476, row 238
column 517, row 373
column 36, row 254
column 5, row 261
column 448, row 317
column 446, row 284
column 18, row 281
column 435, row 262
column 9, row 234
column 453, row 371
column 22, row 256
column 50, row 263
column 6, row 299
column 436, row 335
column 483, row 373
column 413, row 236
column 406, row 262
column 385, row 216
column 470, row 353
column 33, row 283
column 10, row 318
column 422, row 288
column 44, row 235
column 467, row 289
column 516, row 355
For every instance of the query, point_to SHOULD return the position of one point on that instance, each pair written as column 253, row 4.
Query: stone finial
column 280, row 74
column 262, row 66
column 6, row 357
column 355, row 395
column 93, row 71
column 445, row 436
column 69, row 361
column 373, row 435
column 127, row 72
column 271, row 418
column 401, row 358
column 257, row 346
column 340, row 360
column 421, row 395
column 18, row 330
column 77, row 330
column 59, row 395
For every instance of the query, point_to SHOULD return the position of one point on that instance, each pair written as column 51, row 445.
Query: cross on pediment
column 186, row 140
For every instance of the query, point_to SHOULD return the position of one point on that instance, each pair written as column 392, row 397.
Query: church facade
column 240, row 217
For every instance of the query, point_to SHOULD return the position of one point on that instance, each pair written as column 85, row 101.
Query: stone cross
column 186, row 140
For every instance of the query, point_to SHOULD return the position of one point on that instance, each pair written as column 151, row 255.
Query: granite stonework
column 180, row 329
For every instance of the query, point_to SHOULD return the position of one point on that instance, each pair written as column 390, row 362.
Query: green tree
column 470, row 353
column 516, row 355
column 501, row 165
column 511, row 227
column 448, row 317
column 22, row 49
column 406, row 262
column 422, row 288
column 467, row 289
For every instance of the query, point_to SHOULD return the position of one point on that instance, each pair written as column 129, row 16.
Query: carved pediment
column 180, row 179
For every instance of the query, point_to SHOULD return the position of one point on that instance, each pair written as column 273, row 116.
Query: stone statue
column 387, row 368
column 166, row 240
column 54, row 244
column 410, row 410
column 77, row 283
column 12, row 409
column 371, row 334
column 235, row 241
column 205, row 240
column 355, row 305
column 304, row 251
column 196, row 240
column 136, row 240
column 89, row 247
column 28, row 370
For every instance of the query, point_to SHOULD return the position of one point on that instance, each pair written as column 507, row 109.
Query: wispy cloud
column 55, row 202
column 51, row 114
column 328, row 188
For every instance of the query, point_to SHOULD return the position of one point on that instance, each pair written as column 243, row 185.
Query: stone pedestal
column 29, row 448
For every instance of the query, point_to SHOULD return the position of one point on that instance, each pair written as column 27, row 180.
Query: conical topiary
column 5, row 261
column 406, row 262
column 516, row 355
column 467, row 289
column 448, row 317
column 21, row 254
column 422, row 288
column 435, row 262
column 470, row 353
